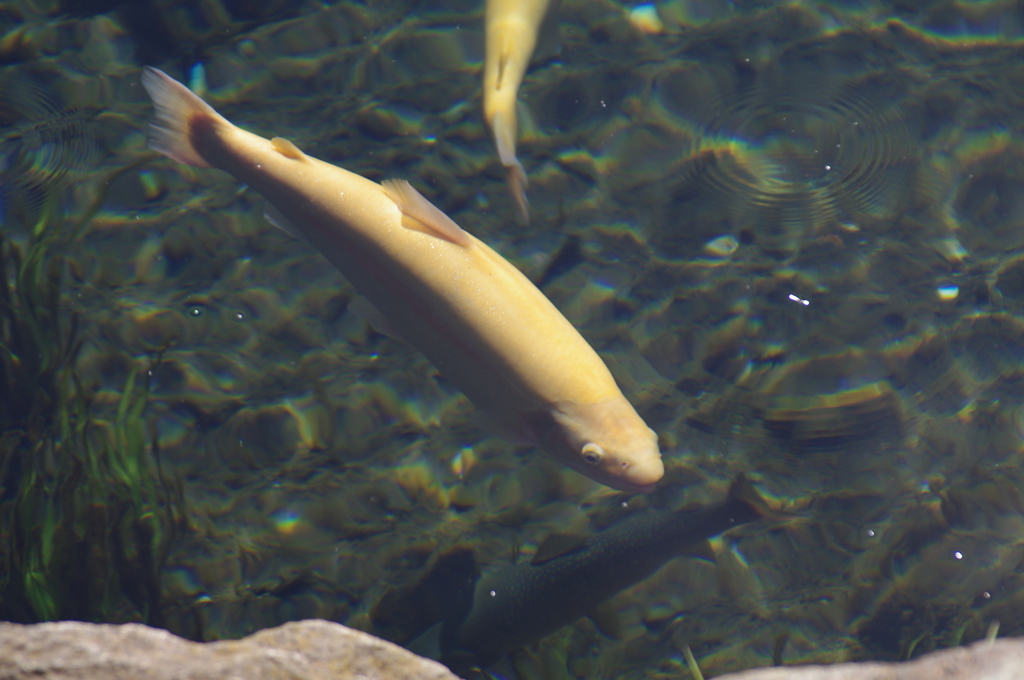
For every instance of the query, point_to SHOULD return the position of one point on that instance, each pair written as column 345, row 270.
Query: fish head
column 606, row 441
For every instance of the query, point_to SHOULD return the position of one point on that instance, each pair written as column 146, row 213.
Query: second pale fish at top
column 511, row 28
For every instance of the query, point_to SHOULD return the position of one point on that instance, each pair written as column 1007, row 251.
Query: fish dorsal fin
column 557, row 545
column 701, row 550
column 286, row 148
column 743, row 491
column 420, row 214
column 366, row 311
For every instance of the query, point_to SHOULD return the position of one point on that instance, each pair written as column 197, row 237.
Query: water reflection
column 793, row 232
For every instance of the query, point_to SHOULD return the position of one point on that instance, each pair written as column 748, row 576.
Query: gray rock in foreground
column 318, row 650
column 304, row 650
column 999, row 660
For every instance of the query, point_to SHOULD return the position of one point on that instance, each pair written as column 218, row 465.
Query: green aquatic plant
column 87, row 514
column 94, row 514
column 691, row 663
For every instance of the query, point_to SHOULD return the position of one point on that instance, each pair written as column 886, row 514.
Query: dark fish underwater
column 485, row 617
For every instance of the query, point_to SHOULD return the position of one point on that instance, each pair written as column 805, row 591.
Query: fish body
column 511, row 28
column 519, row 604
column 483, row 324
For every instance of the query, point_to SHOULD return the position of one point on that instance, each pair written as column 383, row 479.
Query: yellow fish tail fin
column 517, row 187
column 505, row 130
column 178, row 111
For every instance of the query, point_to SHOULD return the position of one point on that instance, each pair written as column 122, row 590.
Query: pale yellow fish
column 511, row 28
column 482, row 323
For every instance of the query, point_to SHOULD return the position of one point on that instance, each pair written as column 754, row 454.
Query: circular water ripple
column 42, row 139
column 796, row 151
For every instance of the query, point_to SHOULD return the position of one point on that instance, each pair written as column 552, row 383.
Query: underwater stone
column 646, row 19
column 723, row 246
column 155, row 329
column 381, row 124
column 997, row 660
column 857, row 419
column 1010, row 281
column 311, row 650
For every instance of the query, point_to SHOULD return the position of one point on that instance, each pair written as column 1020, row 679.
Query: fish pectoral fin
column 276, row 217
column 365, row 310
column 557, row 545
column 421, row 215
column 493, row 424
column 549, row 37
column 428, row 643
column 286, row 148
column 607, row 620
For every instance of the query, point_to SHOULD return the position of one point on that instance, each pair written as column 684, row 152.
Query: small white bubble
column 871, row 533
column 238, row 316
column 987, row 595
column 957, row 554
column 493, row 593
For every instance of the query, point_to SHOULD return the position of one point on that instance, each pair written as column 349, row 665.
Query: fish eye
column 592, row 453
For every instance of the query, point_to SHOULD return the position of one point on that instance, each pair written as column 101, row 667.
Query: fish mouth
column 637, row 488
column 626, row 482
column 618, row 482
column 642, row 477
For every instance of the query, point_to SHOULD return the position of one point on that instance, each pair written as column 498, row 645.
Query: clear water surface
column 794, row 231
